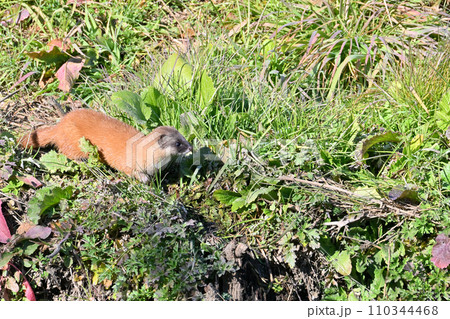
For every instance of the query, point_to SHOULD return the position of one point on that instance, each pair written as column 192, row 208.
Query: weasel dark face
column 172, row 141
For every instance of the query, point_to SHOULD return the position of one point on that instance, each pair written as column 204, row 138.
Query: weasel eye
column 178, row 144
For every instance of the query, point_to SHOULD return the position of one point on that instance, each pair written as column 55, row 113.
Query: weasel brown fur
column 119, row 145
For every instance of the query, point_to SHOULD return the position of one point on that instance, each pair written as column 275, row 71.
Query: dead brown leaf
column 24, row 227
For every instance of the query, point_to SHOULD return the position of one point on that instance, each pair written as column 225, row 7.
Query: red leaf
column 30, row 180
column 4, row 230
column 24, row 14
column 38, row 232
column 15, row 15
column 23, row 78
column 68, row 73
column 29, row 293
column 441, row 251
column 62, row 44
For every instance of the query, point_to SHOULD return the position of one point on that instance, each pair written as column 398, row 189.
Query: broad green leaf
column 90, row 149
column 444, row 104
column 153, row 102
column 5, row 258
column 131, row 103
column 54, row 162
column 361, row 265
column 445, row 175
column 175, row 73
column 268, row 47
column 406, row 193
column 378, row 282
column 416, row 143
column 191, row 126
column 13, row 187
column 342, row 263
column 363, row 146
column 206, row 91
column 29, row 248
column 367, row 192
column 226, row 197
column 252, row 196
column 151, row 96
column 238, row 203
column 44, row 199
column 442, row 115
column 55, row 55
column 353, row 295
column 290, row 258
column 382, row 254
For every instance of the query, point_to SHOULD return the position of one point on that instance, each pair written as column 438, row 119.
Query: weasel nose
column 190, row 149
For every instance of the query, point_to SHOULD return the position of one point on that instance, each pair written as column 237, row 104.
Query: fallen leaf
column 24, row 14
column 12, row 285
column 54, row 55
column 441, row 252
column 30, row 180
column 68, row 73
column 107, row 283
column 38, row 232
column 407, row 193
column 62, row 44
column 4, row 230
column 16, row 15
column 237, row 28
column 29, row 293
column 24, row 227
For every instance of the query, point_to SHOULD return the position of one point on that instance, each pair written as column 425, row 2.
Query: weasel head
column 156, row 151
column 172, row 142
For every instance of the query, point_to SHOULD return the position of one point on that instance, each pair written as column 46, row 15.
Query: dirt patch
column 258, row 277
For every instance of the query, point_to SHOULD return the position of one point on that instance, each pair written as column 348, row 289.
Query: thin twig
column 339, row 190
column 9, row 95
column 58, row 248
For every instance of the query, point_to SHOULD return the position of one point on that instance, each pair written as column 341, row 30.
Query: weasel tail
column 41, row 137
column 119, row 145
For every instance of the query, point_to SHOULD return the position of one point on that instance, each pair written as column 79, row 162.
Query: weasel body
column 119, row 145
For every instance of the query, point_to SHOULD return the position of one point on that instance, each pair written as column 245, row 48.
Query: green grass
column 292, row 95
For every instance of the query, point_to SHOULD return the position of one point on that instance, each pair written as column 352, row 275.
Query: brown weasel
column 119, row 145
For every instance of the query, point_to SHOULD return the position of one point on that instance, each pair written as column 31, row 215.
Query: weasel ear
column 162, row 141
